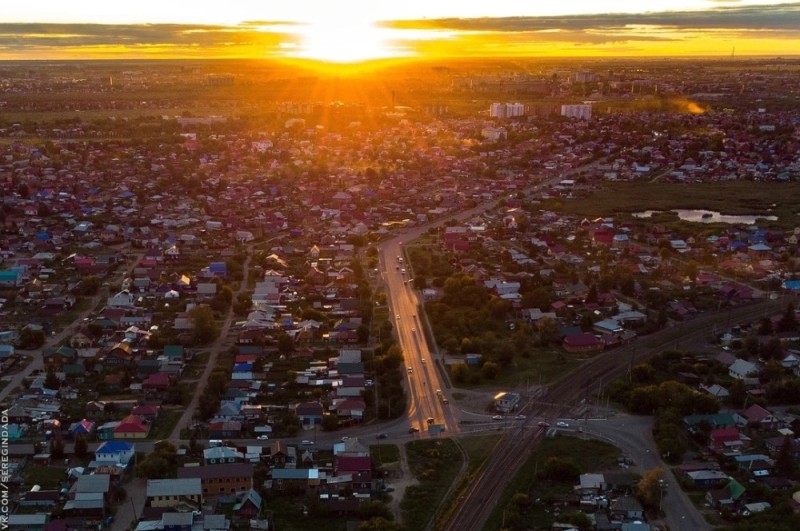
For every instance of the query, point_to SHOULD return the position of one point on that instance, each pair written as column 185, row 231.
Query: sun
column 338, row 37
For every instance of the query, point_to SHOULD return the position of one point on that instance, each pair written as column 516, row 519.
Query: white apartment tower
column 582, row 112
column 506, row 110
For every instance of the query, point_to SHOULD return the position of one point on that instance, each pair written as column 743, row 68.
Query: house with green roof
column 717, row 420
column 728, row 496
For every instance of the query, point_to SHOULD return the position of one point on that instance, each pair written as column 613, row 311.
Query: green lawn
column 435, row 464
column 47, row 477
column 164, row 424
column 384, row 455
column 543, row 367
column 586, row 455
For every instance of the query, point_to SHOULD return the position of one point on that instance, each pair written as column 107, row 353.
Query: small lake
column 707, row 216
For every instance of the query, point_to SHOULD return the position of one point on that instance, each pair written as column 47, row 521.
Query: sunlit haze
column 351, row 31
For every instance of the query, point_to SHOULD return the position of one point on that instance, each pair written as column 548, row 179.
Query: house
column 725, row 439
column 219, row 480
column 727, row 496
column 717, row 420
column 582, row 342
column 743, row 370
column 157, row 382
column 309, row 413
column 181, row 493
column 757, row 417
column 222, row 455
column 591, row 484
column 626, row 508
column 249, row 506
column 115, row 452
column 506, row 402
column 279, row 454
column 131, row 427
column 230, row 429
column 295, row 479
column 707, row 479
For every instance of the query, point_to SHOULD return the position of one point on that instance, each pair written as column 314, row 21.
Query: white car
column 521, row 417
column 263, row 437
column 306, row 442
column 497, row 417
column 562, row 424
column 413, row 330
column 410, row 370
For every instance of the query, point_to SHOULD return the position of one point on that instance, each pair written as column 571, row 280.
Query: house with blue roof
column 10, row 279
column 791, row 285
column 119, row 452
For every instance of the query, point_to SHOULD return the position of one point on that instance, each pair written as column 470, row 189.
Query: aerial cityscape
column 452, row 267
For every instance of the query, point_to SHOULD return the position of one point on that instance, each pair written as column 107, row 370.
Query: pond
column 708, row 216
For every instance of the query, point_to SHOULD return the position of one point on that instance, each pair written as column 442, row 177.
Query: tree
column 204, row 329
column 784, row 463
column 648, row 490
column 459, row 372
column 788, row 322
column 557, row 469
column 51, row 380
column 56, row 448
column 330, row 422
column 285, row 344
column 489, row 370
column 81, row 446
column 31, row 339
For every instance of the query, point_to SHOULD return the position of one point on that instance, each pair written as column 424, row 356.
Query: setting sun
column 340, row 37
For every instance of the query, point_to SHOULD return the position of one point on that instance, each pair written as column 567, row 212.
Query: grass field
column 164, row 425
column 435, row 463
column 543, row 367
column 738, row 197
column 384, row 455
column 47, row 477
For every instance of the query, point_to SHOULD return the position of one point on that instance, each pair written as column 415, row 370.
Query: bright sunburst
column 339, row 37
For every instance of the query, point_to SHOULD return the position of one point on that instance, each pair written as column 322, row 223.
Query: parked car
column 263, row 437
column 381, row 436
column 413, row 429
column 306, row 442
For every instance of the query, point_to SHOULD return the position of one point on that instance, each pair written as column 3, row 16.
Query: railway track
column 474, row 508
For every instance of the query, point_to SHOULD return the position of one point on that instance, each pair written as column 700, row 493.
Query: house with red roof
column 755, row 417
column 131, row 427
column 157, row 382
column 348, row 464
column 583, row 342
column 725, row 439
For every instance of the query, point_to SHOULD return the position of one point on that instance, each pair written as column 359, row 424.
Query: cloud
column 782, row 17
column 22, row 37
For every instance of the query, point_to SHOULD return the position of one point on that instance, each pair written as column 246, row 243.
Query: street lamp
column 662, row 486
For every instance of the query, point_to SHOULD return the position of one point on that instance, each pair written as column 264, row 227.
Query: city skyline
column 346, row 32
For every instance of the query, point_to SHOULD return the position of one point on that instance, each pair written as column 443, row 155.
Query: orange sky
column 341, row 32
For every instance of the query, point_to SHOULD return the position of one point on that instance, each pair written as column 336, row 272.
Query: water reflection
column 707, row 216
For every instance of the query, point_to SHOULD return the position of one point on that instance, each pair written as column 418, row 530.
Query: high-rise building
column 582, row 111
column 506, row 110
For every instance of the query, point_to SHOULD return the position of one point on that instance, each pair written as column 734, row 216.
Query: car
column 381, row 436
column 423, row 360
column 397, row 316
column 562, row 424
column 263, row 437
column 306, row 442
column 520, row 417
column 345, row 438
column 413, row 330
column 543, row 424
column 410, row 369
column 413, row 429
column 403, row 271
column 497, row 417
column 430, row 420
